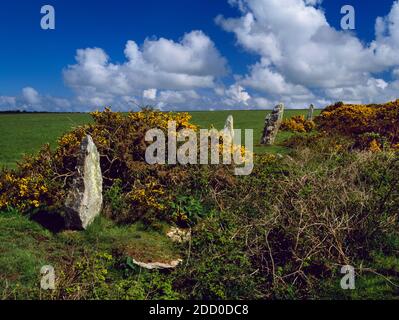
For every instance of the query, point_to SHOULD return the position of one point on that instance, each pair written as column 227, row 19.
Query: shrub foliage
column 297, row 124
column 357, row 120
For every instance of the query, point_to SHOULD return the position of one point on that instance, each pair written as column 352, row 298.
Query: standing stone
column 84, row 199
column 309, row 116
column 228, row 130
column 272, row 125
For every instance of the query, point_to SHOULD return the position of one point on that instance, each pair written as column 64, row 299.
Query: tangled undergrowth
column 304, row 217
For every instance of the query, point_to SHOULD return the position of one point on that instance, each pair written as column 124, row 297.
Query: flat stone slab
column 158, row 265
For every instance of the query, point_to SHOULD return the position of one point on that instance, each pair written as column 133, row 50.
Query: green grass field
column 26, row 133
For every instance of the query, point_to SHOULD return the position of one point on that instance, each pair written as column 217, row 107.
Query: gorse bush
column 297, row 124
column 355, row 120
column 133, row 188
column 22, row 192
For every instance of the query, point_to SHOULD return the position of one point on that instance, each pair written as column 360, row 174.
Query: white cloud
column 236, row 95
column 194, row 55
column 313, row 2
column 7, row 103
column 150, row 94
column 264, row 79
column 301, row 57
column 60, row 104
column 380, row 83
column 373, row 91
column 31, row 96
column 395, row 73
column 162, row 64
column 173, row 97
column 31, row 100
column 261, row 102
column 386, row 45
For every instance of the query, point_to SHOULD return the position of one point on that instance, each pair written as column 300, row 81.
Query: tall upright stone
column 84, row 199
column 272, row 125
column 228, row 130
column 309, row 116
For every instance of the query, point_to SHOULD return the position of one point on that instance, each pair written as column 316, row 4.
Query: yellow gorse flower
column 21, row 192
column 298, row 124
column 147, row 195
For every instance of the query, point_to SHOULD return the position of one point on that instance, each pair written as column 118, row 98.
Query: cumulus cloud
column 272, row 82
column 386, row 45
column 7, row 103
column 31, row 100
column 236, row 95
column 169, row 96
column 31, row 96
column 301, row 57
column 150, row 94
column 313, row 2
column 192, row 63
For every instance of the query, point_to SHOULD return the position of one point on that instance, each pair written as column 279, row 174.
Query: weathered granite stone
column 272, row 125
column 228, row 130
column 84, row 199
column 309, row 116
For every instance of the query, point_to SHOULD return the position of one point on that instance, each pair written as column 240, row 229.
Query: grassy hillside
column 26, row 133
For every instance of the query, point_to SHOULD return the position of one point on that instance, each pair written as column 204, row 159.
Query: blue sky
column 196, row 54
